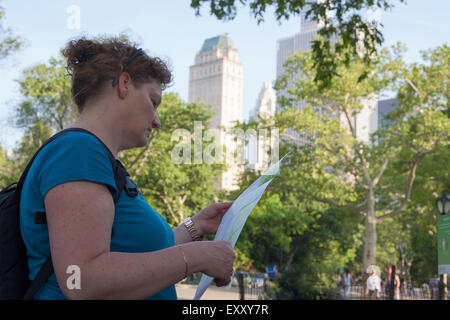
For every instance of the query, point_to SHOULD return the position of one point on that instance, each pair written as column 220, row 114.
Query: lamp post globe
column 443, row 203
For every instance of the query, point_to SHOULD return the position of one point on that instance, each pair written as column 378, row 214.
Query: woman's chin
column 145, row 140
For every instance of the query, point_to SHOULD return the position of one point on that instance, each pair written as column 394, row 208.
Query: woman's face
column 142, row 113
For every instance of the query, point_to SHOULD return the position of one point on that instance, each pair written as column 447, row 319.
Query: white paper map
column 234, row 219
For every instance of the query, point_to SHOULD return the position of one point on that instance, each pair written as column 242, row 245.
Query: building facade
column 365, row 123
column 384, row 107
column 216, row 79
column 260, row 143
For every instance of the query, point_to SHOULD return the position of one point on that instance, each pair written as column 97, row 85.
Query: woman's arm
column 182, row 235
column 80, row 215
column 206, row 221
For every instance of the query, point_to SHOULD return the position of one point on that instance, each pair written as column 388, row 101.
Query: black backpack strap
column 44, row 273
column 120, row 173
column 25, row 172
column 120, row 177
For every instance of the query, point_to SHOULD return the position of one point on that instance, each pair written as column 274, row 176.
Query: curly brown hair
column 94, row 63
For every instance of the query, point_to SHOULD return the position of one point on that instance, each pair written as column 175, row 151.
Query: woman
column 123, row 250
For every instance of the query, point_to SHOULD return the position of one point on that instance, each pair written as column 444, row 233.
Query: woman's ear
column 123, row 85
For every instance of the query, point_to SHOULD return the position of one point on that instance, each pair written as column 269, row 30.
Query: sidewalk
column 187, row 292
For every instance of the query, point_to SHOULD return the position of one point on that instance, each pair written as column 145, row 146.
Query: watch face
column 191, row 228
column 189, row 222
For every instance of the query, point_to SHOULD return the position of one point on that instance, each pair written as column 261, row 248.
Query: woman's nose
column 156, row 122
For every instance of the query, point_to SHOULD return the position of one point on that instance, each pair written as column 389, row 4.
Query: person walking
column 434, row 284
column 347, row 282
column 388, row 281
column 373, row 285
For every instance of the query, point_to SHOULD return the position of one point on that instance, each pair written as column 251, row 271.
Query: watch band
column 192, row 230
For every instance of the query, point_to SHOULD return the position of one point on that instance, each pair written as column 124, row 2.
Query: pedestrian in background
column 373, row 287
column 434, row 287
column 347, row 282
column 396, row 283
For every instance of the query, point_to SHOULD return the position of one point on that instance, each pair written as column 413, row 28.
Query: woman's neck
column 101, row 129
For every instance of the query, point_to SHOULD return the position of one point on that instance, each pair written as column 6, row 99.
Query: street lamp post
column 443, row 203
column 443, row 206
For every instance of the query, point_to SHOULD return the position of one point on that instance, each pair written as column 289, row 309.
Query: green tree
column 46, row 96
column 9, row 43
column 329, row 240
column 336, row 167
column 177, row 190
column 46, row 106
column 347, row 21
column 270, row 233
column 411, row 236
column 308, row 241
column 7, row 174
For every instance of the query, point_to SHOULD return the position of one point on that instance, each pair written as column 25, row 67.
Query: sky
column 171, row 30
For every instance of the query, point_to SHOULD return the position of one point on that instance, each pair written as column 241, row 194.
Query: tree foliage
column 46, row 96
column 343, row 18
column 314, row 216
column 177, row 190
column 335, row 179
column 9, row 43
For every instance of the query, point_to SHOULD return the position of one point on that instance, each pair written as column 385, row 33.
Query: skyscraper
column 287, row 47
column 384, row 107
column 365, row 122
column 258, row 145
column 300, row 41
column 216, row 79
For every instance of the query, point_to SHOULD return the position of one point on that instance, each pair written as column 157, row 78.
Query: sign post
column 443, row 244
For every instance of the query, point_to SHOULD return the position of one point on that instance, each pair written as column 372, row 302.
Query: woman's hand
column 218, row 257
column 208, row 219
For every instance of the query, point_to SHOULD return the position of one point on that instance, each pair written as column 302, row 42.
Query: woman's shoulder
column 70, row 157
column 73, row 145
column 75, row 138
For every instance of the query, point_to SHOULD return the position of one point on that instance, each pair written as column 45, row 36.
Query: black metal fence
column 251, row 285
column 358, row 293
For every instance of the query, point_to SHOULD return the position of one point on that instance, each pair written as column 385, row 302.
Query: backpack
column 14, row 282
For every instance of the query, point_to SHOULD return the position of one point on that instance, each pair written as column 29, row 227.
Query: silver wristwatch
column 192, row 230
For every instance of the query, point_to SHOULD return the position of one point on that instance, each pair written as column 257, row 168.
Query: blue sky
column 171, row 30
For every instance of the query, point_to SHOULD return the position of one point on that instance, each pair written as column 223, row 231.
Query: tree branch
column 412, row 177
column 381, row 171
column 358, row 208
column 144, row 150
column 349, row 122
column 367, row 178
column 172, row 213
column 139, row 168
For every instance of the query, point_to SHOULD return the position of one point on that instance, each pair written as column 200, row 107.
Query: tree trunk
column 370, row 245
column 291, row 258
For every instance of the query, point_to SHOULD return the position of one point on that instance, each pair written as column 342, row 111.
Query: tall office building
column 300, row 41
column 366, row 121
column 259, row 144
column 216, row 79
column 384, row 107
column 287, row 47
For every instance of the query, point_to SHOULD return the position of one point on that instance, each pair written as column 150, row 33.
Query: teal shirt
column 76, row 156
